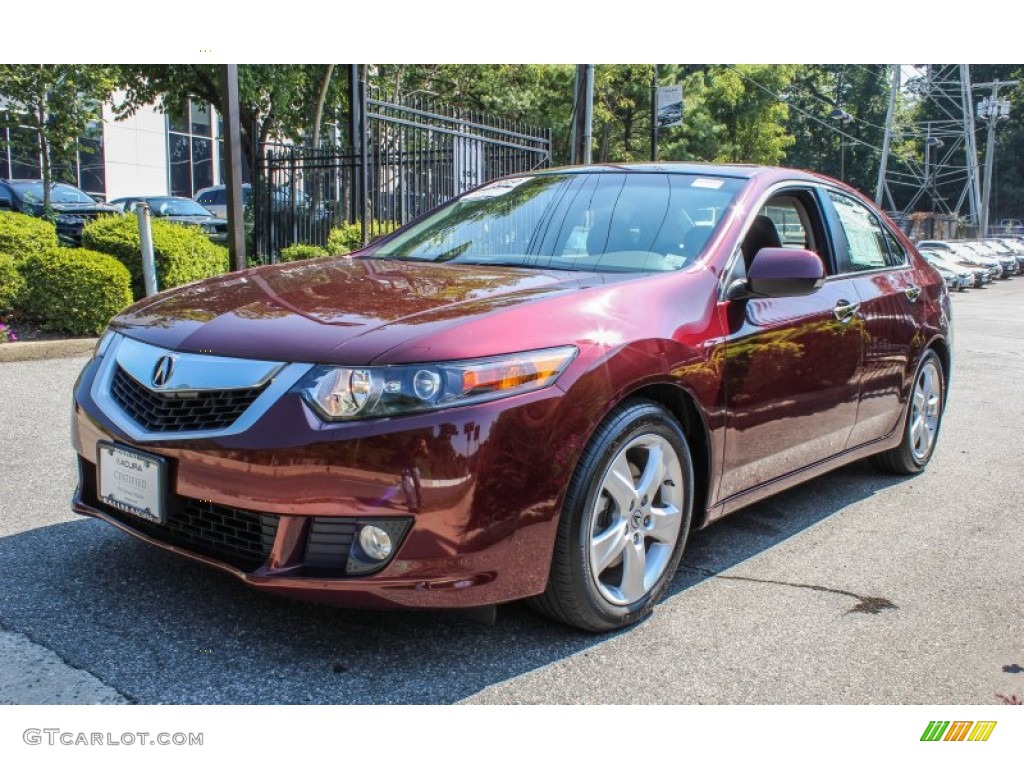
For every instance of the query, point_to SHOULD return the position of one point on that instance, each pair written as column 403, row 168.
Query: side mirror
column 776, row 273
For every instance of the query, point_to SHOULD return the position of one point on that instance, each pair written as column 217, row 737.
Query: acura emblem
column 163, row 370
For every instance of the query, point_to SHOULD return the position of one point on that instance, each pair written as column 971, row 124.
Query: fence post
column 357, row 142
column 146, row 242
column 364, row 186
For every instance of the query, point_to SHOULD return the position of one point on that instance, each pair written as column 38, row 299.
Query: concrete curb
column 44, row 350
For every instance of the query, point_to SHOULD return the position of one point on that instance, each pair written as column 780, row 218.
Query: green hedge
column 11, row 284
column 183, row 254
column 74, row 290
column 302, row 251
column 22, row 236
column 349, row 237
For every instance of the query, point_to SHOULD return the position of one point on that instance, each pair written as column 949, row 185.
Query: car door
column 792, row 364
column 872, row 259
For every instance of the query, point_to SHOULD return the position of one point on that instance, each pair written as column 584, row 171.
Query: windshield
column 605, row 222
column 175, row 206
column 32, row 194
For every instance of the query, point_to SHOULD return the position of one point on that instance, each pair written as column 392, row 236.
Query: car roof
column 727, row 170
column 20, row 182
column 209, row 189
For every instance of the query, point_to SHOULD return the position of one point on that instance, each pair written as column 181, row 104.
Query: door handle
column 912, row 293
column 845, row 311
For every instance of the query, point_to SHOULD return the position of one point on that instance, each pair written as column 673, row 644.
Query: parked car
column 1015, row 247
column 964, row 255
column 471, row 411
column 957, row 278
column 215, row 199
column 72, row 207
column 179, row 210
column 1006, row 254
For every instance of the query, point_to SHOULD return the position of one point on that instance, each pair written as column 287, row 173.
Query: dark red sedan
column 535, row 391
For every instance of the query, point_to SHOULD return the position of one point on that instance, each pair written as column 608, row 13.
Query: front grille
column 180, row 411
column 234, row 536
column 223, row 531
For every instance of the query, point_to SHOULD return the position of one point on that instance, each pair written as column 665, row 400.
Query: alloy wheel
column 636, row 520
column 925, row 411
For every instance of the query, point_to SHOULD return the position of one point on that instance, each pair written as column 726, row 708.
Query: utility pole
column 233, row 165
column 881, row 188
column 588, row 112
column 581, row 137
column 994, row 110
column 574, row 144
column 654, row 114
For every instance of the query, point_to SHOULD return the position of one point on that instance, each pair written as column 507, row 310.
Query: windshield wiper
column 453, row 253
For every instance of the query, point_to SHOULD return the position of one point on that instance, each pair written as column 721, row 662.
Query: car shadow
column 161, row 629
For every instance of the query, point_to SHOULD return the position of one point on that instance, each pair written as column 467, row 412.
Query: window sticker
column 497, row 189
column 704, row 183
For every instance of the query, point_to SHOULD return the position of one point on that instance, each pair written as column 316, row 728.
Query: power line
column 824, row 100
column 805, row 113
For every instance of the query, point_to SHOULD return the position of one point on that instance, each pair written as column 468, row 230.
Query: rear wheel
column 624, row 522
column 924, row 416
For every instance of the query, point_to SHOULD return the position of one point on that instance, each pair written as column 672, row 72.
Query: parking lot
column 854, row 588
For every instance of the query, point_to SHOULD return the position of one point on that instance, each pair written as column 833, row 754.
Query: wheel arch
column 942, row 349
column 682, row 405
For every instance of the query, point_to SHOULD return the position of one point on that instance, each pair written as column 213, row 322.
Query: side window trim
column 901, row 258
column 735, row 267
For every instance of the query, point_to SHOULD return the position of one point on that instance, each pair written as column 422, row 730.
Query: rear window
column 213, row 197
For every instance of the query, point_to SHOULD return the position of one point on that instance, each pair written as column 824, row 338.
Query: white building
column 149, row 153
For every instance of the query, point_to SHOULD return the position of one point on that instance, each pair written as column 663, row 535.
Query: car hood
column 196, row 219
column 84, row 209
column 340, row 309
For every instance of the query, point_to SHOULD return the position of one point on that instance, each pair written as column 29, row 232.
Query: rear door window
column 866, row 246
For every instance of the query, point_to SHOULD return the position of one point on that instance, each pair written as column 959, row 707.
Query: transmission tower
column 931, row 165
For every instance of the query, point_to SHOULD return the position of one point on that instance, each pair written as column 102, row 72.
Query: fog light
column 375, row 542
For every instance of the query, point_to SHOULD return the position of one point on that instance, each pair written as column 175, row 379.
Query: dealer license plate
column 132, row 481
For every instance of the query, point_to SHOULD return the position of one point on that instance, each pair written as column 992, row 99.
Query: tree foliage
column 275, row 101
column 58, row 102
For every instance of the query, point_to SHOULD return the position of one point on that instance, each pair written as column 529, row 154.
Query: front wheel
column 624, row 521
column 924, row 416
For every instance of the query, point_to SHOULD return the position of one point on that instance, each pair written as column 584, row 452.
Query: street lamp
column 994, row 110
column 843, row 117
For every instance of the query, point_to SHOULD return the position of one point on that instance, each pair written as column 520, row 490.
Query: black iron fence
column 407, row 158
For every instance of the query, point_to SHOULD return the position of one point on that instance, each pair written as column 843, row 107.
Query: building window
column 190, row 148
column 20, row 158
column 92, row 176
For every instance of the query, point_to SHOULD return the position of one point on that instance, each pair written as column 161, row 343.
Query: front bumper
column 481, row 501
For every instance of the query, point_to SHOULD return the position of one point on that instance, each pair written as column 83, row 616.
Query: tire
column 920, row 429
column 619, row 540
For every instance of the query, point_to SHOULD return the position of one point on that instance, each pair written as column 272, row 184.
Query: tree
column 57, row 101
column 816, row 93
column 275, row 101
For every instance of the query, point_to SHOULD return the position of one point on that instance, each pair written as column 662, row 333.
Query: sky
column 527, row 31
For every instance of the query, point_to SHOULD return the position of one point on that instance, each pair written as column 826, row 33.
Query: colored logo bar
column 958, row 730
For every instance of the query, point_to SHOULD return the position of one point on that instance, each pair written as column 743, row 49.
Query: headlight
column 342, row 394
column 103, row 343
column 209, row 229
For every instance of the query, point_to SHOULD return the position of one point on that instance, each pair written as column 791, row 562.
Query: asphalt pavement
column 854, row 588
